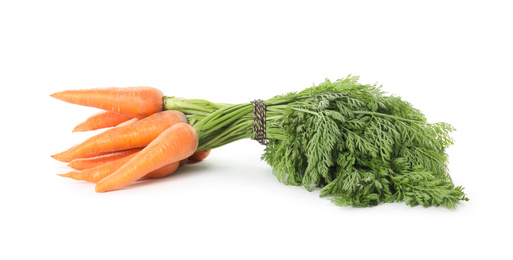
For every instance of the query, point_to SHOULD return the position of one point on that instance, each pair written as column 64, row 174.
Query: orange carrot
column 136, row 102
column 91, row 155
column 96, row 174
column 174, row 144
column 101, row 120
column 87, row 163
column 199, row 156
column 99, row 172
column 164, row 171
column 127, row 122
column 137, row 134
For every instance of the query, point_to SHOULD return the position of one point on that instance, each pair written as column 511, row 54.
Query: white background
column 450, row 59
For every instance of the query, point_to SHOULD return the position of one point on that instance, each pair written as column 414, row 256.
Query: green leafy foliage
column 360, row 146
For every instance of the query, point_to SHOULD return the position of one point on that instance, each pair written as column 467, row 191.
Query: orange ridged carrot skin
column 101, row 120
column 161, row 172
column 199, row 156
column 98, row 173
column 137, row 102
column 87, row 163
column 137, row 134
column 128, row 122
column 91, row 155
column 176, row 143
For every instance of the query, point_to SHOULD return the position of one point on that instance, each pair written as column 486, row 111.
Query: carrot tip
column 65, row 174
column 61, row 158
column 99, row 189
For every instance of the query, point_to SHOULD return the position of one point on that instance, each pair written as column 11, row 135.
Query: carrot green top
column 361, row 146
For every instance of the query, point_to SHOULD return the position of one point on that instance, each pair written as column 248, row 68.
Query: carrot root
column 174, row 144
column 98, row 173
column 101, row 120
column 87, row 163
column 136, row 102
column 164, row 171
column 137, row 134
column 199, row 156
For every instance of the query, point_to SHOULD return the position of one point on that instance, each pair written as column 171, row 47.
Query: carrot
column 91, row 155
column 87, row 163
column 137, row 134
column 101, row 120
column 127, row 122
column 136, row 102
column 96, row 174
column 199, row 156
column 99, row 172
column 174, row 144
column 164, row 171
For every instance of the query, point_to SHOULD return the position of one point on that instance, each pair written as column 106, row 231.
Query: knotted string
column 259, row 121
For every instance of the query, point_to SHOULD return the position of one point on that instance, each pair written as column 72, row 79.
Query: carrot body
column 137, row 134
column 174, row 144
column 98, row 173
column 199, row 156
column 136, row 102
column 101, row 120
column 162, row 171
column 128, row 122
column 91, row 155
column 87, row 163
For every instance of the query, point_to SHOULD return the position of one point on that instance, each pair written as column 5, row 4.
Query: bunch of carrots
column 360, row 146
column 142, row 139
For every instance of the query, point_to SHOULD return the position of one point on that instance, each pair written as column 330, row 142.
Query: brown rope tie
column 259, row 121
